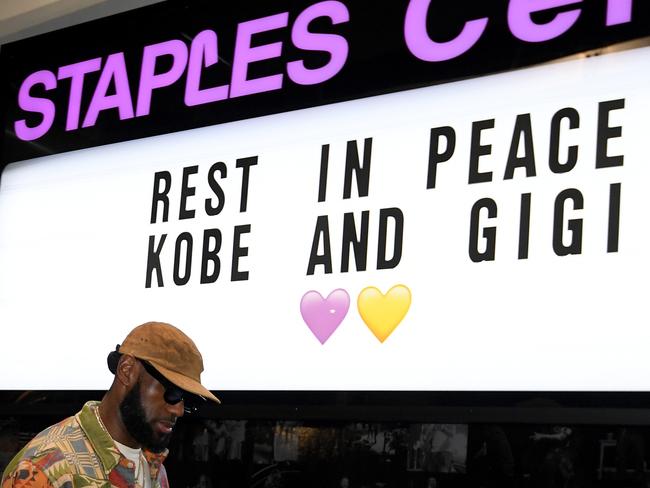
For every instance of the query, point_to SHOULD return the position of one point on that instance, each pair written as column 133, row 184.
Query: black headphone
column 114, row 358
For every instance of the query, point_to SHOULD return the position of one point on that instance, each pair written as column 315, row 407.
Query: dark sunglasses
column 173, row 394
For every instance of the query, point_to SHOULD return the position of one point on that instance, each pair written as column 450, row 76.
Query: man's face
column 146, row 415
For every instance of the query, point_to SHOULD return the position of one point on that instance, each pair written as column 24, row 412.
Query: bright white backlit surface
column 74, row 231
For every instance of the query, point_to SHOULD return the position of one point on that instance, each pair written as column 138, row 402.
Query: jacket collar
column 103, row 444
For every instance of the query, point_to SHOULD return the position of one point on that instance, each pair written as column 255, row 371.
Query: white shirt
column 142, row 473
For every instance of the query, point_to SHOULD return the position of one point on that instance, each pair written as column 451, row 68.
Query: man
column 122, row 440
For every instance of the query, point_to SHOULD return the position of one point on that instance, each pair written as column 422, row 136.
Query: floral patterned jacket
column 78, row 452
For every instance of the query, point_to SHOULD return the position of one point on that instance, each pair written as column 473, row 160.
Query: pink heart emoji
column 324, row 315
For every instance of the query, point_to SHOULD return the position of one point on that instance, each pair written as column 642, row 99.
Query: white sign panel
column 481, row 235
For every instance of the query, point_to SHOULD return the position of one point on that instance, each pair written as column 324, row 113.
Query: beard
column 135, row 420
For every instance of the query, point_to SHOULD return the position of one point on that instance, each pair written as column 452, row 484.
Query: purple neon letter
column 115, row 68
column 204, row 52
column 421, row 45
column 619, row 11
column 43, row 106
column 149, row 81
column 245, row 54
column 77, row 72
column 523, row 27
column 335, row 45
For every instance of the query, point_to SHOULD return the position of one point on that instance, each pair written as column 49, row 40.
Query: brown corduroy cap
column 171, row 352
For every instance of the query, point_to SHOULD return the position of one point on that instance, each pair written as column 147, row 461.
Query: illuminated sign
column 484, row 234
column 209, row 66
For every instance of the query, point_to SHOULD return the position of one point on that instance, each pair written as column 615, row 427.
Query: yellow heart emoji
column 383, row 313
